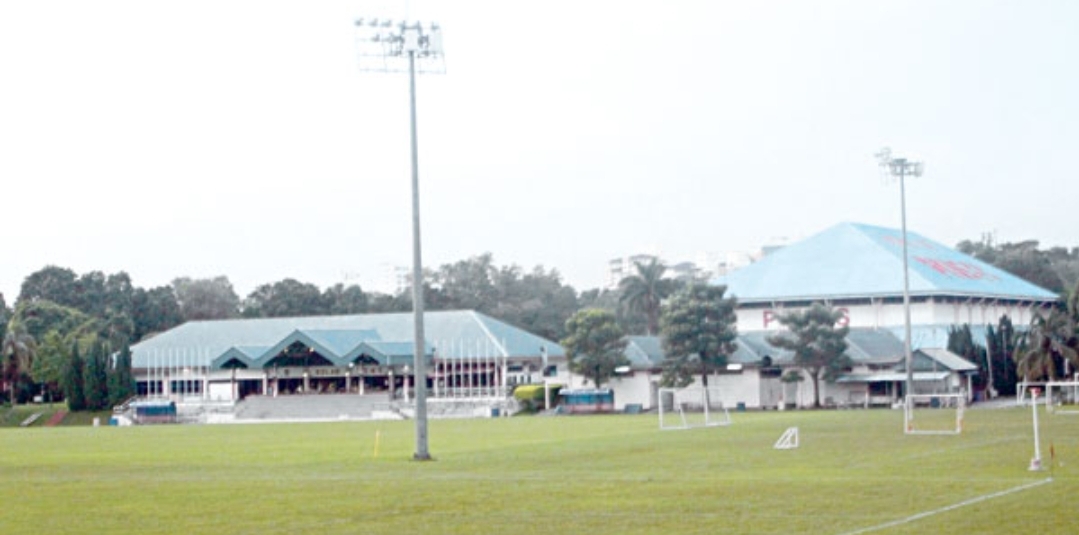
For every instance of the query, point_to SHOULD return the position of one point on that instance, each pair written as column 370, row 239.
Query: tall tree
column 698, row 328
column 961, row 342
column 71, row 380
column 644, row 292
column 52, row 283
column 206, row 299
column 17, row 349
column 154, row 310
column 121, row 383
column 95, row 378
column 285, row 298
column 1051, row 343
column 819, row 346
column 341, row 299
column 594, row 345
column 1001, row 346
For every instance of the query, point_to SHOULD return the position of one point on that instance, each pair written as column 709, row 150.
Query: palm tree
column 1051, row 340
column 17, row 349
column 645, row 291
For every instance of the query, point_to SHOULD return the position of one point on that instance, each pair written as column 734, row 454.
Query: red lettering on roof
column 957, row 269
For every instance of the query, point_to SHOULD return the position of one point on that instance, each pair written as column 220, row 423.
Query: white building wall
column 877, row 314
column 634, row 388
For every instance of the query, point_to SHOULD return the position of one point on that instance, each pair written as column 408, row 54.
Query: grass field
column 854, row 471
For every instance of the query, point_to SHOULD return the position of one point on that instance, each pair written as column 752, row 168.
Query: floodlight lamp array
column 899, row 166
column 400, row 38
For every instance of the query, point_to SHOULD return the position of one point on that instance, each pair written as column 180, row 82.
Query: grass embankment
column 613, row 474
column 14, row 417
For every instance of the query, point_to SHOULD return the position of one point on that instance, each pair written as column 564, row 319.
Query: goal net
column 934, row 414
column 690, row 407
column 1062, row 397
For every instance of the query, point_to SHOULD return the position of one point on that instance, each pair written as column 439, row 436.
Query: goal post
column 1062, row 397
column 934, row 414
column 691, row 407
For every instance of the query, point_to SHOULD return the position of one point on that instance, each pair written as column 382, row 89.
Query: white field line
column 952, row 507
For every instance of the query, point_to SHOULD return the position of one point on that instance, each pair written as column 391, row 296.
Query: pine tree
column 95, row 382
column 71, row 380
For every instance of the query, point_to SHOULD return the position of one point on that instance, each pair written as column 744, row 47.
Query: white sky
column 238, row 138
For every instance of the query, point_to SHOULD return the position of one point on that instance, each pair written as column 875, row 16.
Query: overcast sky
column 238, row 138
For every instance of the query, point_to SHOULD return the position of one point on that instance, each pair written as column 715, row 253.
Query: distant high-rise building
column 620, row 268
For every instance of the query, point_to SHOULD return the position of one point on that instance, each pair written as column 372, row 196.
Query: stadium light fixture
column 901, row 168
column 390, row 46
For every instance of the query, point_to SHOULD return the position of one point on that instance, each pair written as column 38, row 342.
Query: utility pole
column 389, row 43
column 902, row 168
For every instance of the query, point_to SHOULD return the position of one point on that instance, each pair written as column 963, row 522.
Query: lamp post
column 902, row 168
column 387, row 43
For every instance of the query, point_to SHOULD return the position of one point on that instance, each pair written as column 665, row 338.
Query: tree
column 1050, row 342
column 206, row 299
column 286, row 298
column 341, row 299
column 1022, row 259
column 644, row 292
column 95, row 378
column 17, row 349
column 71, row 380
column 819, row 346
column 41, row 316
column 1001, row 346
column 121, row 383
column 51, row 283
column 47, row 368
column 536, row 301
column 961, row 342
column 698, row 327
column 154, row 310
column 594, row 345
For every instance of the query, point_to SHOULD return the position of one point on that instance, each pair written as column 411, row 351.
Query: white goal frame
column 691, row 407
column 1051, row 402
column 944, row 401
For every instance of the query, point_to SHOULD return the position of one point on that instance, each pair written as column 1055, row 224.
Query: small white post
column 546, row 394
column 1036, row 462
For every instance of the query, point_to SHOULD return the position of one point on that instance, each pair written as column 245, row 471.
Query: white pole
column 1036, row 462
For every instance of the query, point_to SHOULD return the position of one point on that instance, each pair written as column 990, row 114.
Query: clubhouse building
column 859, row 270
column 469, row 355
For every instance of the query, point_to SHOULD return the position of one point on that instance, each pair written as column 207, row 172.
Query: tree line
column 60, row 314
column 62, row 309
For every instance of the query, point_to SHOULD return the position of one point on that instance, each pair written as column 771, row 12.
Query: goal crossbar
column 932, row 414
column 1062, row 397
column 691, row 407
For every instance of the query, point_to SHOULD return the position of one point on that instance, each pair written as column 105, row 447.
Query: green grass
column 612, row 474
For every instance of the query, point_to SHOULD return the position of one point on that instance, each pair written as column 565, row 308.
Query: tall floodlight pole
column 902, row 168
column 382, row 46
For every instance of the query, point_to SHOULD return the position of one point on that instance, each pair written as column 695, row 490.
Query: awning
column 891, row 377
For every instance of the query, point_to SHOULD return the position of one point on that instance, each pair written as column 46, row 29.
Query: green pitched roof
column 387, row 337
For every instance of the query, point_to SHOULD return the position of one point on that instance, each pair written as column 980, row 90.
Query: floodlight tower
column 384, row 45
column 902, row 168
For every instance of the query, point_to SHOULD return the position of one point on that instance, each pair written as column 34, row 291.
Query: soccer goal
column 934, row 414
column 1062, row 397
column 690, row 407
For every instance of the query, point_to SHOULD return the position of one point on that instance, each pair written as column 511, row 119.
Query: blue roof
column 864, row 346
column 852, row 260
column 386, row 337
